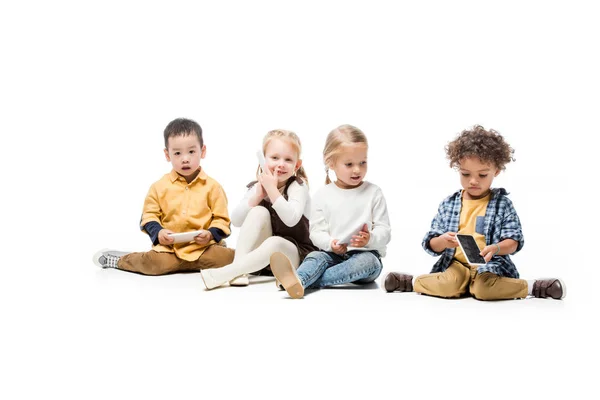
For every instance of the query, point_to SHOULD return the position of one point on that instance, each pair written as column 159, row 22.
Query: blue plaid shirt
column 500, row 222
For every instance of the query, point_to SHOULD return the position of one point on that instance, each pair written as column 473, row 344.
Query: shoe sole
column 96, row 257
column 280, row 266
column 564, row 289
column 234, row 283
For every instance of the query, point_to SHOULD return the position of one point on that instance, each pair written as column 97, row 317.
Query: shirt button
column 186, row 188
column 184, row 213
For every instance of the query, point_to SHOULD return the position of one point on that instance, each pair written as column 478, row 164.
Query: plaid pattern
column 501, row 222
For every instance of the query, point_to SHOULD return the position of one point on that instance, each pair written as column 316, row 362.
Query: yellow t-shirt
column 183, row 207
column 472, row 214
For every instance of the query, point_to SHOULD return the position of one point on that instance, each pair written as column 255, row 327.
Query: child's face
column 350, row 165
column 185, row 153
column 281, row 158
column 476, row 177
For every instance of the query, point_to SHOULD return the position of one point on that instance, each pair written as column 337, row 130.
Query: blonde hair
column 337, row 138
column 293, row 139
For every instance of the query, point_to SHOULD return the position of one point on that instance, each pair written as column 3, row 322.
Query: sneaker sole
column 564, row 289
column 96, row 257
column 239, row 284
column 280, row 265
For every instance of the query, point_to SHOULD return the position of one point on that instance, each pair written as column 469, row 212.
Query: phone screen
column 470, row 248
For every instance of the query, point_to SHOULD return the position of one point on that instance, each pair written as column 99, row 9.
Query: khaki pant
column 459, row 279
column 155, row 263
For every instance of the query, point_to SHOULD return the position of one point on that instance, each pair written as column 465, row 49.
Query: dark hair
column 182, row 127
column 488, row 146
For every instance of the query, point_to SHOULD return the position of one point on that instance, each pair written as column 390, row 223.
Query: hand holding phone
column 470, row 249
column 261, row 159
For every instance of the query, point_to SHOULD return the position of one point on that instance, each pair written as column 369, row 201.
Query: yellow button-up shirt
column 183, row 207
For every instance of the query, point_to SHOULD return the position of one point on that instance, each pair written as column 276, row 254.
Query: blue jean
column 323, row 268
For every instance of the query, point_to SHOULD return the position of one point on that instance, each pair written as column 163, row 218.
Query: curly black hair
column 488, row 146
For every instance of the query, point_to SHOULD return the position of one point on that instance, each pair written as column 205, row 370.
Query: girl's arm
column 238, row 215
column 291, row 211
column 381, row 232
column 319, row 227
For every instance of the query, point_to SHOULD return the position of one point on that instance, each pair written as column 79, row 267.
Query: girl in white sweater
column 273, row 215
column 349, row 222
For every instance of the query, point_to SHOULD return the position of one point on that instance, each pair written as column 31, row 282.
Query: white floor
column 84, row 332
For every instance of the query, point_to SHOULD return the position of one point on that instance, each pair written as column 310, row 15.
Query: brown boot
column 396, row 281
column 553, row 287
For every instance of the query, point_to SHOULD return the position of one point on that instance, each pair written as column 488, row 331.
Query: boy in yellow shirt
column 186, row 199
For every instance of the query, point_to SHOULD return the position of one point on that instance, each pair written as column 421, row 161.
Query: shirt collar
column 174, row 176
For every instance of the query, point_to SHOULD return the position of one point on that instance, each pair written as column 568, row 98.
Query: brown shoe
column 285, row 273
column 553, row 287
column 396, row 281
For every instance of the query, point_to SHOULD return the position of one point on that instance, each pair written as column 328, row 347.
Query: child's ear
column 203, row 152
column 167, row 155
column 497, row 172
column 298, row 164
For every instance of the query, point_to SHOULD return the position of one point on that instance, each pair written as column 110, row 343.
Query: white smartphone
column 348, row 238
column 185, row 236
column 470, row 249
column 261, row 159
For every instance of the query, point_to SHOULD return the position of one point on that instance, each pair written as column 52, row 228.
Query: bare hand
column 488, row 252
column 362, row 238
column 449, row 240
column 164, row 238
column 268, row 180
column 258, row 196
column 338, row 249
column 203, row 238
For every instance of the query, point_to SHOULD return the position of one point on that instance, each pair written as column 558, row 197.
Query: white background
column 86, row 90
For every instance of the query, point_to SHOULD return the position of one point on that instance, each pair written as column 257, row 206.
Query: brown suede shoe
column 396, row 281
column 553, row 287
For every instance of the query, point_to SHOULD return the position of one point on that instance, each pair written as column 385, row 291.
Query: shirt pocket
column 479, row 225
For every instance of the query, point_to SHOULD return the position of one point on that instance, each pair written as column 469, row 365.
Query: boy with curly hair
column 488, row 215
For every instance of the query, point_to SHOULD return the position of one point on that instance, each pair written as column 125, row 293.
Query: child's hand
column 362, row 238
column 258, row 196
column 338, row 249
column 488, row 252
column 164, row 238
column 449, row 240
column 203, row 238
column 268, row 180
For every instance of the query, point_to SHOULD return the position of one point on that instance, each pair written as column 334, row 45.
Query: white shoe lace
column 111, row 261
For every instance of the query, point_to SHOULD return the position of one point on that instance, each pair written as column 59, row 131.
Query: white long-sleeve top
column 289, row 211
column 338, row 212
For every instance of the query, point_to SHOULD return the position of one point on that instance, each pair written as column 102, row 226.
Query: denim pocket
column 479, row 225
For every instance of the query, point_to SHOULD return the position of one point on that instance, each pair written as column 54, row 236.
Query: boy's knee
column 482, row 287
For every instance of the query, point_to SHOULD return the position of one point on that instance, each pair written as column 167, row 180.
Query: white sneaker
column 106, row 258
column 241, row 280
column 208, row 279
column 286, row 275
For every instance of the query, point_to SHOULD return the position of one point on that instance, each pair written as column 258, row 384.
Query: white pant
column 255, row 245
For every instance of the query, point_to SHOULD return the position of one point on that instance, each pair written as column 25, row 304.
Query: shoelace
column 111, row 261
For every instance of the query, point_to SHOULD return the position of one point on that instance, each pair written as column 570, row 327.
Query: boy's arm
column 151, row 215
column 220, row 224
column 153, row 228
column 438, row 228
column 511, row 229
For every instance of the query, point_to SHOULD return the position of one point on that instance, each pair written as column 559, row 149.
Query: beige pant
column 155, row 263
column 459, row 279
column 254, row 247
